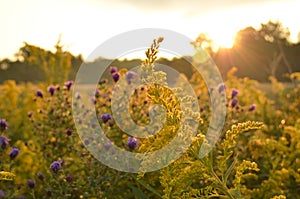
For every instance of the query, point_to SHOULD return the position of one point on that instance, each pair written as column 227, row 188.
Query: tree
column 56, row 66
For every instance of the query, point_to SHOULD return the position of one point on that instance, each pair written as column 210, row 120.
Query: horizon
column 81, row 24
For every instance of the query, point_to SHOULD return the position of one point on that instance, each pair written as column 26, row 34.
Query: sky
column 85, row 24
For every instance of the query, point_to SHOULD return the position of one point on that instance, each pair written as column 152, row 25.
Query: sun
column 223, row 39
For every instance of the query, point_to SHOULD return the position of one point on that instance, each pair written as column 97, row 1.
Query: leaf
column 137, row 192
column 149, row 188
column 229, row 170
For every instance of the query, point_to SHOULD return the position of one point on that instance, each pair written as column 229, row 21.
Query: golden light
column 223, row 39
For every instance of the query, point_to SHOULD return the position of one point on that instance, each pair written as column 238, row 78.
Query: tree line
column 257, row 54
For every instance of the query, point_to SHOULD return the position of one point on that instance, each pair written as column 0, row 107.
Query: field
column 52, row 141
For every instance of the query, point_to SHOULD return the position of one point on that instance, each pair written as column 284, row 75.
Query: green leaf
column 229, row 170
column 149, row 188
column 137, row 192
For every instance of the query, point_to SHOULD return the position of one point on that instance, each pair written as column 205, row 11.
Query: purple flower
column 105, row 117
column 21, row 197
column 77, row 95
column 14, row 152
column 31, row 183
column 3, row 124
column 97, row 93
column 252, row 107
column 51, row 90
column 56, row 166
column 113, row 70
column 234, row 102
column 132, row 143
column 2, row 195
column 116, row 76
column 234, row 93
column 69, row 178
column 108, row 144
column 222, row 88
column 68, row 84
column 130, row 76
column 3, row 142
column 39, row 93
column 40, row 176
column 93, row 100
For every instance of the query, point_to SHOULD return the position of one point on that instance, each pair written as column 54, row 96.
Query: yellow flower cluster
column 4, row 175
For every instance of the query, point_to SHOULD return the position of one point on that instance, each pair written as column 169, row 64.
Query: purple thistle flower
column 51, row 90
column 40, row 176
column 234, row 93
column 77, row 95
column 3, row 142
column 68, row 84
column 234, row 102
column 3, row 124
column 106, row 117
column 108, row 144
column 113, row 70
column 14, row 152
column 31, row 183
column 39, row 93
column 56, row 166
column 132, row 143
column 69, row 178
column 222, row 88
column 2, row 195
column 130, row 76
column 252, row 107
column 97, row 93
column 116, row 76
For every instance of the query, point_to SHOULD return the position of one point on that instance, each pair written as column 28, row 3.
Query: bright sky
column 85, row 24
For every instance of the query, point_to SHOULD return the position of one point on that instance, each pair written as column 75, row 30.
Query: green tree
column 56, row 66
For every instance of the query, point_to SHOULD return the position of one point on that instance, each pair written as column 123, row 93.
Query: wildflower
column 132, row 143
column 69, row 132
column 39, row 94
column 111, row 123
column 56, row 166
column 87, row 141
column 234, row 102
column 105, row 117
column 130, row 76
column 93, row 100
column 2, row 195
column 21, row 197
column 113, row 70
column 3, row 124
column 31, row 183
column 234, row 93
column 51, row 90
column 3, row 142
column 252, row 107
column 77, row 95
column 97, row 93
column 222, row 87
column 108, row 144
column 116, row 76
column 14, row 152
column 40, row 176
column 69, row 178
column 68, row 84
column 29, row 114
